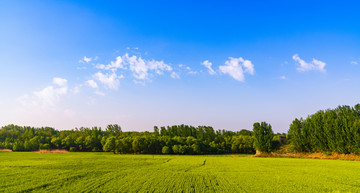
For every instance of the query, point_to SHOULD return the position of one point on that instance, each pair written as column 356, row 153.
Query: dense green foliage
column 107, row 172
column 263, row 135
column 334, row 130
column 178, row 139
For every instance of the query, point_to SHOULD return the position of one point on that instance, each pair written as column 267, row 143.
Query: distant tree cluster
column 334, row 130
column 32, row 139
column 182, row 139
column 178, row 139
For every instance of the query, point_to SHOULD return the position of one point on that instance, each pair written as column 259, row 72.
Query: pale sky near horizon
column 68, row 64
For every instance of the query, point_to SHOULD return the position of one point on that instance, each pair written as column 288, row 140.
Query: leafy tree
column 110, row 144
column 114, row 129
column 156, row 131
column 165, row 150
column 263, row 136
column 176, row 149
column 333, row 130
column 56, row 141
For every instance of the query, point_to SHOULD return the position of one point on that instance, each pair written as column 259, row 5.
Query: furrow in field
column 29, row 178
column 55, row 182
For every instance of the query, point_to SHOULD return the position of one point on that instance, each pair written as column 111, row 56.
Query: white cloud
column 48, row 96
column 249, row 67
column 189, row 70
column 234, row 67
column 86, row 59
column 118, row 63
column 175, row 75
column 305, row 66
column 113, row 66
column 137, row 66
column 354, row 63
column 283, row 77
column 208, row 65
column 60, row 81
column 92, row 83
column 110, row 80
column 158, row 66
column 141, row 68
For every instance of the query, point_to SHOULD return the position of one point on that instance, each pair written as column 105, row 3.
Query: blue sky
column 228, row 64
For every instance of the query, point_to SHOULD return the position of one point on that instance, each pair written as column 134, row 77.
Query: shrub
column 165, row 150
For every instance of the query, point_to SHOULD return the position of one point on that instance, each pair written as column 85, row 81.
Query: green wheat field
column 107, row 172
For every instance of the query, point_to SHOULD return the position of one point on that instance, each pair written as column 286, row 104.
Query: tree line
column 333, row 130
column 327, row 131
column 177, row 139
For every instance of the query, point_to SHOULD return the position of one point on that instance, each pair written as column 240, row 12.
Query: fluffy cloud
column 354, row 63
column 208, row 65
column 92, row 83
column 48, row 96
column 137, row 66
column 86, row 59
column 308, row 66
column 141, row 68
column 158, row 66
column 60, row 82
column 236, row 67
column 110, row 80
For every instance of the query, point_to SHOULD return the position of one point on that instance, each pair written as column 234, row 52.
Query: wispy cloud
column 48, row 96
column 236, row 67
column 51, row 94
column 190, row 71
column 175, row 75
column 86, row 59
column 113, row 66
column 208, row 65
column 315, row 64
column 92, row 84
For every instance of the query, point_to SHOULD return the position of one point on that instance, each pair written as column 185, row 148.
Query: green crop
column 107, row 172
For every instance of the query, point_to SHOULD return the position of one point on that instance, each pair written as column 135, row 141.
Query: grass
column 106, row 172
